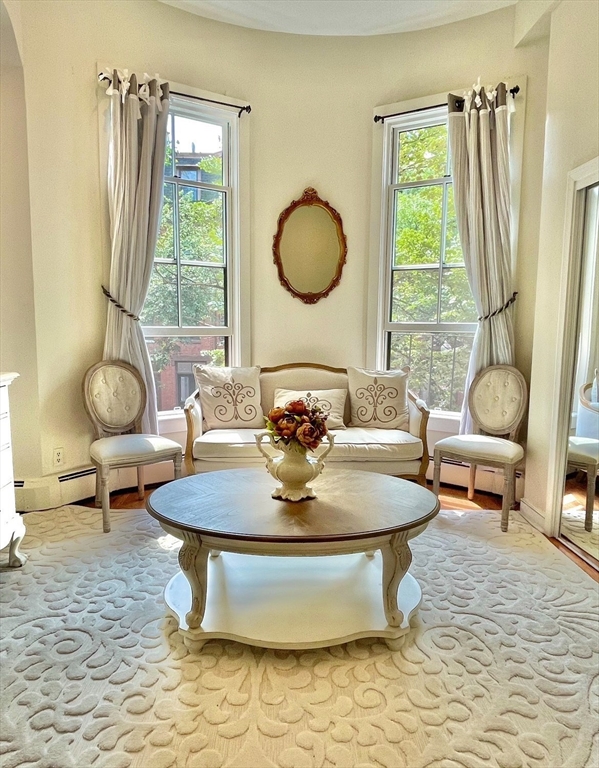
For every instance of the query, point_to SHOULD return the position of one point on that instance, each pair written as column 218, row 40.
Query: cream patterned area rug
column 500, row 669
column 572, row 528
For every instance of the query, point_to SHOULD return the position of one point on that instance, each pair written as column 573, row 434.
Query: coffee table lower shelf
column 292, row 602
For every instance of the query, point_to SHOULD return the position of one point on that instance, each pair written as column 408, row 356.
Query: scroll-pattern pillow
column 230, row 397
column 332, row 401
column 379, row 398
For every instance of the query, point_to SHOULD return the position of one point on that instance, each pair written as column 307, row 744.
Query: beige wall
column 532, row 20
column 311, row 124
column 572, row 138
column 17, row 318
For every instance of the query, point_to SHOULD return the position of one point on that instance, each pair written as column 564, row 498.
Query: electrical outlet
column 59, row 457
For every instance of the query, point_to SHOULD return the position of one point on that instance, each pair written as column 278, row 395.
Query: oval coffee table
column 294, row 594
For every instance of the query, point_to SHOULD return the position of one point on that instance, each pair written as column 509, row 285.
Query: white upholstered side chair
column 587, row 417
column 583, row 448
column 114, row 396
column 497, row 400
column 583, row 454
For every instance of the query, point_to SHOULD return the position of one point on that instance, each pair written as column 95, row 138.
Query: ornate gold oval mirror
column 309, row 247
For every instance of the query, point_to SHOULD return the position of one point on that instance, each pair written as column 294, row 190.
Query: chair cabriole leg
column 471, row 481
column 105, row 495
column 509, row 488
column 98, row 488
column 140, row 482
column 437, row 473
column 588, row 518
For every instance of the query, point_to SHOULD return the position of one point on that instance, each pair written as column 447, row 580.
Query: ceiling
column 339, row 17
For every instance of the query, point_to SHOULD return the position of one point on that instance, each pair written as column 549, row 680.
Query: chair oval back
column 497, row 400
column 114, row 396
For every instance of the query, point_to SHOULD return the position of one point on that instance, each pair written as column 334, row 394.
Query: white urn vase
column 294, row 469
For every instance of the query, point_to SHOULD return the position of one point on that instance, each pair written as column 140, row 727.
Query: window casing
column 427, row 315
column 192, row 311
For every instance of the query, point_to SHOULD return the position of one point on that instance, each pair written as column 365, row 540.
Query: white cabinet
column 12, row 528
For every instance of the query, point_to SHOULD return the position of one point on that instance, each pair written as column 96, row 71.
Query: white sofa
column 389, row 451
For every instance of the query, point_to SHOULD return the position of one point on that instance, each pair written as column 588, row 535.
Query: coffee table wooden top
column 236, row 504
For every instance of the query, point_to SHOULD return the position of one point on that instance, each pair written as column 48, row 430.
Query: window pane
column 201, row 225
column 160, row 307
column 422, row 154
column 414, row 350
column 414, row 297
column 165, row 246
column 199, row 145
column 172, row 359
column 453, row 249
column 457, row 304
column 202, row 296
column 168, row 157
column 438, row 362
column 418, row 214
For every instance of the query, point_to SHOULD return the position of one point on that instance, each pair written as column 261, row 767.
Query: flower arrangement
column 297, row 425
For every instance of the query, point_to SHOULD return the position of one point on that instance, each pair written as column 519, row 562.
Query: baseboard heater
column 76, row 475
column 51, row 491
column 63, row 478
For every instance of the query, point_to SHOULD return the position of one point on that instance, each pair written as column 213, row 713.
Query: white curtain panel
column 479, row 144
column 138, row 123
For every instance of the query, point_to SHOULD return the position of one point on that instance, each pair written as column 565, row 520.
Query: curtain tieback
column 508, row 303
column 117, row 305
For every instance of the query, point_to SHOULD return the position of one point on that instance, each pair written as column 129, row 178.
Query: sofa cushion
column 352, row 444
column 230, row 397
column 379, row 398
column 332, row 401
column 301, row 377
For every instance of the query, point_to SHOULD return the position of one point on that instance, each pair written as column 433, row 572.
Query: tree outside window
column 430, row 316
column 186, row 312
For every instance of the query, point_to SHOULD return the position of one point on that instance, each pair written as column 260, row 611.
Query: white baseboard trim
column 51, row 491
column 532, row 515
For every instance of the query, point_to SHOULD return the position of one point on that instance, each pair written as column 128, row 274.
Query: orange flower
column 296, row 406
column 276, row 414
column 309, row 436
column 286, row 427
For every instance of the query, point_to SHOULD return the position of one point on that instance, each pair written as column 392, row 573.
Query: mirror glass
column 580, row 510
column 310, row 247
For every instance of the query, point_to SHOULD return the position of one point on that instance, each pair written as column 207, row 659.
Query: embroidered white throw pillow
column 230, row 397
column 332, row 401
column 379, row 398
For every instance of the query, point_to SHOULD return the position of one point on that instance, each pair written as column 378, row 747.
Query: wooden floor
column 451, row 497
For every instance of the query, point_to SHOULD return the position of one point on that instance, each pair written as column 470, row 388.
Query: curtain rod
column 381, row 118
column 247, row 108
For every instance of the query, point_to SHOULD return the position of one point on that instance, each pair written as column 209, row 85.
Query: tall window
column 429, row 316
column 189, row 313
